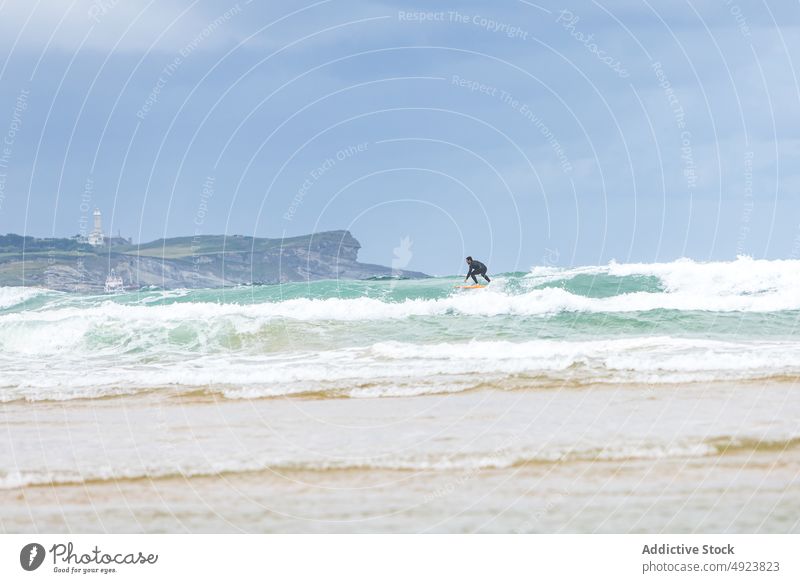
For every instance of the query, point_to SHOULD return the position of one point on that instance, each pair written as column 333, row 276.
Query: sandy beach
column 588, row 460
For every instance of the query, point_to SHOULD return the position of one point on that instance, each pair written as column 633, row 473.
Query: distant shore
column 206, row 261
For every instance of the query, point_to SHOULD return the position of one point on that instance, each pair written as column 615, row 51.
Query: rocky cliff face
column 186, row 262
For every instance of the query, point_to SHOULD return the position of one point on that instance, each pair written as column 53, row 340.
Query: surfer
column 476, row 268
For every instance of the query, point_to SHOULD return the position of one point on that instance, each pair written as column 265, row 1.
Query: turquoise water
column 653, row 323
column 448, row 322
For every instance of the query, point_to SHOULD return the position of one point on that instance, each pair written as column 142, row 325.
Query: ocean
column 621, row 398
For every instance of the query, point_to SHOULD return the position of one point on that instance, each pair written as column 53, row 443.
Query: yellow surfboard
column 469, row 286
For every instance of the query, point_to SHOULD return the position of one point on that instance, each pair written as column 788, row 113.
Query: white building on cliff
column 96, row 237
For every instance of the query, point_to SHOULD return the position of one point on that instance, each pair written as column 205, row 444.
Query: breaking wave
column 394, row 369
column 678, row 322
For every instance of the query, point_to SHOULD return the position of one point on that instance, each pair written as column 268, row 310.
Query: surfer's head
column 469, row 259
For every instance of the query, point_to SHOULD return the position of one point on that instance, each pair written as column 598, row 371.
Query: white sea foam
column 744, row 276
column 389, row 369
column 745, row 285
column 248, row 318
column 69, row 350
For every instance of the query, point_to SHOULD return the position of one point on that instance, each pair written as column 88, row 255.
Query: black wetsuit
column 477, row 268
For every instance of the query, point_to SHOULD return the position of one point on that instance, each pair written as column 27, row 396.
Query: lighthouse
column 96, row 237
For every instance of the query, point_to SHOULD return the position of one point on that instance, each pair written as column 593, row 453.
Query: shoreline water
column 742, row 489
column 525, row 502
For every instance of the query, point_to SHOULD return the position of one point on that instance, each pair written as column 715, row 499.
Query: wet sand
column 683, row 459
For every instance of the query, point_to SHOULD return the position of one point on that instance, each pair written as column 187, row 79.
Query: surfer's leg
column 486, row 277
column 475, row 279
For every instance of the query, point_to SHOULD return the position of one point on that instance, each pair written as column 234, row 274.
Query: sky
column 522, row 133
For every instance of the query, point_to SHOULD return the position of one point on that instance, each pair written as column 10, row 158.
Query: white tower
column 96, row 236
